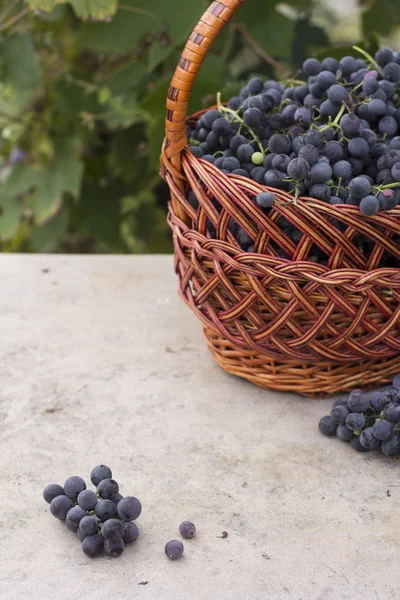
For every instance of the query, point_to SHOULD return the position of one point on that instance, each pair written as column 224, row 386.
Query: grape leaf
column 46, row 238
column 381, row 17
column 11, row 210
column 274, row 34
column 21, row 71
column 96, row 9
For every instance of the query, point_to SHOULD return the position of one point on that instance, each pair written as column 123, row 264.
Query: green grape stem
column 369, row 58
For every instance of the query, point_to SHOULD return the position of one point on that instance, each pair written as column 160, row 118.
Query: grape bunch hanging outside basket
column 286, row 218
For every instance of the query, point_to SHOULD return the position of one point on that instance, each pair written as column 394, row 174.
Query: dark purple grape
column 93, row 545
column 298, row 169
column 255, row 86
column 382, row 430
column 59, row 507
column 396, row 380
column 355, row 443
column 51, row 491
column 369, row 206
column 339, row 414
column 358, row 401
column 105, row 509
column 131, row 532
column 265, row 199
column 129, row 508
column 378, row 401
column 114, row 548
column 107, row 489
column 392, row 412
column 117, row 498
column 174, row 549
column 75, row 515
column 383, row 56
column 327, row 426
column 344, row 433
column 355, row 421
column 112, row 529
column 187, row 529
column 368, row 440
column 73, row 486
column 87, row 499
column 88, row 525
column 391, row 446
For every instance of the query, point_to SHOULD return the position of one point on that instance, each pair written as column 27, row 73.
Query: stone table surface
column 102, row 363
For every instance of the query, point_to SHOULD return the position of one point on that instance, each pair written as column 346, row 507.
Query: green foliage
column 82, row 106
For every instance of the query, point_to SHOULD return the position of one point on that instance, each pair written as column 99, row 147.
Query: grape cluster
column 103, row 519
column 333, row 136
column 368, row 424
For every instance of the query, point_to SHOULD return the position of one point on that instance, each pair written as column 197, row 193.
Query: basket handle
column 196, row 49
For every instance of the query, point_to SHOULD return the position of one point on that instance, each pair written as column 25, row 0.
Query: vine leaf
column 85, row 9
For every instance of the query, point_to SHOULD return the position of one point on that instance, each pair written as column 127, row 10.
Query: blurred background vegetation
column 82, row 95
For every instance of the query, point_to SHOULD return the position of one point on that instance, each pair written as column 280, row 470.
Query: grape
column 196, row 151
column 220, row 127
column 75, row 515
column 355, row 421
column 237, row 141
column 344, row 433
column 59, row 507
column 87, row 499
column 314, row 138
column 388, row 125
column 265, row 199
column 255, row 86
column 107, row 489
column 395, row 171
column 280, row 162
column 320, row 191
column 327, row 426
column 337, row 94
column 376, row 107
column 209, row 158
column 391, row 446
column 279, row 143
column 328, row 109
column 113, row 529
column 245, row 152
column 309, row 153
column 258, row 174
column 131, row 533
column 257, row 158
column 274, row 178
column 383, row 56
column 105, row 509
column 325, row 79
column 330, row 64
column 304, row 116
column 358, row 401
column 359, row 187
column 355, row 443
column 321, row 173
column 231, row 163
column 382, row 430
column 339, row 414
column 88, row 525
column 129, row 508
column 387, row 200
column 114, row 548
column 350, row 124
column 370, row 85
column 368, row 440
column 93, row 545
column 73, row 486
column 378, row 401
column 252, row 117
column 396, row 380
column 298, row 169
column 101, row 471
column 52, row 491
column 187, row 530
column 71, row 527
column 343, row 169
column 174, row 549
column 347, row 65
column 391, row 72
column 117, row 498
column 81, row 536
column 392, row 412
column 369, row 206
column 358, row 147
column 333, row 151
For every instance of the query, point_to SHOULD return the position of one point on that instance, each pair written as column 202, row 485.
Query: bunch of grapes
column 333, row 136
column 102, row 520
column 368, row 424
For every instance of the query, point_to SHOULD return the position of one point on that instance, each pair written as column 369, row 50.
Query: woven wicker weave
column 286, row 324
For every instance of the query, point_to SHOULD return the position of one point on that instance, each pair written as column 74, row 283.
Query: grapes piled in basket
column 367, row 423
column 103, row 519
column 333, row 135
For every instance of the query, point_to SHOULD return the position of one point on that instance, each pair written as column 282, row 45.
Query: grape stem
column 369, row 58
column 224, row 109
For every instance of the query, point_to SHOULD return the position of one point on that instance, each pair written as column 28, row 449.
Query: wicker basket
column 282, row 324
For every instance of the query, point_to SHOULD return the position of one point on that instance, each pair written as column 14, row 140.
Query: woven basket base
column 320, row 380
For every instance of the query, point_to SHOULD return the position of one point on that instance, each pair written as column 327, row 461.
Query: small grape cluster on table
column 367, row 423
column 332, row 134
column 102, row 520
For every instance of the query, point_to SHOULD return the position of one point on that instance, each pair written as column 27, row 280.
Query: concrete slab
column 101, row 362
